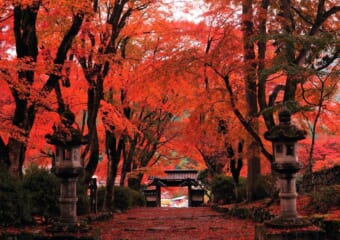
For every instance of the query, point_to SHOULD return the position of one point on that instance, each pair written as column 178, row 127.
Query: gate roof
column 176, row 178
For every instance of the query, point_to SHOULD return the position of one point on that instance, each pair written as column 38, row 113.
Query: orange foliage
column 166, row 66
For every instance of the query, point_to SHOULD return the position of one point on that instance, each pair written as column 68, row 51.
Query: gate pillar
column 158, row 195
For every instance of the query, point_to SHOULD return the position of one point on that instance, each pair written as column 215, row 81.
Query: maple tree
column 153, row 92
column 155, row 112
column 145, row 86
column 25, row 89
column 319, row 98
column 281, row 43
column 103, row 47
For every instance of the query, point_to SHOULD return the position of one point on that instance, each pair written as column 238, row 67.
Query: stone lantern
column 67, row 166
column 284, row 138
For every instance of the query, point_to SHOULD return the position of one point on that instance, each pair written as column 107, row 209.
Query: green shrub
column 137, row 198
column 42, row 188
column 83, row 203
column 241, row 190
column 100, row 197
column 14, row 204
column 223, row 189
column 265, row 186
column 122, row 199
column 324, row 199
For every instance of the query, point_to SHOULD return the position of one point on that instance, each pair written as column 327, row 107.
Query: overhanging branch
column 244, row 122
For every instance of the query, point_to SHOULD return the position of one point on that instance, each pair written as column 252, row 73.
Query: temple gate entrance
column 175, row 178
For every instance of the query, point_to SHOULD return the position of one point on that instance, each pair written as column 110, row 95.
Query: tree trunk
column 128, row 160
column 24, row 115
column 114, row 153
column 251, row 96
column 95, row 95
column 16, row 154
column 4, row 157
column 236, row 166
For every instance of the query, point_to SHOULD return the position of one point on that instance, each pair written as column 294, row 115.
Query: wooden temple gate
column 175, row 178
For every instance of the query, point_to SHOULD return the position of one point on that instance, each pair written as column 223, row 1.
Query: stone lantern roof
column 285, row 131
column 64, row 133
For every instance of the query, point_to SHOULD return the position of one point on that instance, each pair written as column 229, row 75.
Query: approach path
column 175, row 224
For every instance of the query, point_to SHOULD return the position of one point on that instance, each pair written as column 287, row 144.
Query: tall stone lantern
column 284, row 138
column 67, row 166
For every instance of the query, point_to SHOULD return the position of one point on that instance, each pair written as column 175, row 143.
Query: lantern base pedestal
column 284, row 229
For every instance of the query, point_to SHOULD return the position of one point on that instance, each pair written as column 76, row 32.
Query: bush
column 100, row 197
column 122, row 198
column 137, row 198
column 36, row 195
column 324, row 199
column 42, row 188
column 223, row 189
column 241, row 190
column 266, row 187
column 83, row 203
column 14, row 205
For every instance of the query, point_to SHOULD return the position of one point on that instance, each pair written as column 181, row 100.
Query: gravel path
column 175, row 223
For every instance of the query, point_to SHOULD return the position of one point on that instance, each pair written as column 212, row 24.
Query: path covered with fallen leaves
column 175, row 223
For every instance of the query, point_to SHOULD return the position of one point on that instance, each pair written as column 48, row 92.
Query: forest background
column 154, row 88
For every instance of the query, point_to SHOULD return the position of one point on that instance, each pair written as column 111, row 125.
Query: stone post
column 67, row 140
column 68, row 201
column 288, row 196
column 288, row 225
column 284, row 138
